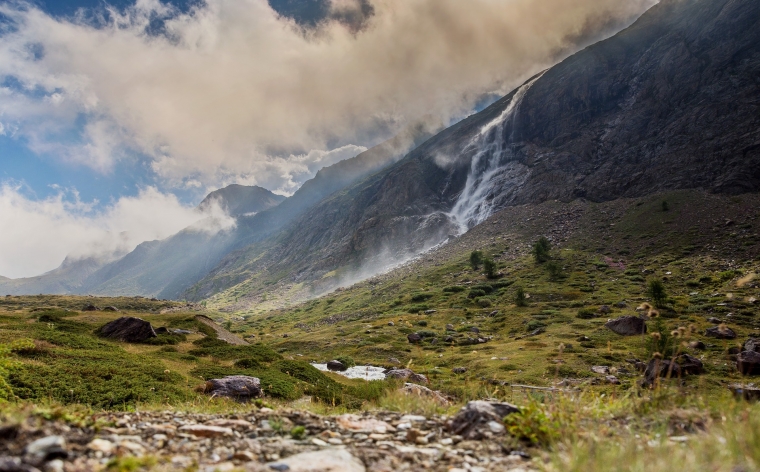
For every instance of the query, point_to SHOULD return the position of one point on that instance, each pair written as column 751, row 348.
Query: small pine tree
column 555, row 270
column 490, row 267
column 665, row 206
column 520, row 298
column 476, row 258
column 541, row 250
column 656, row 290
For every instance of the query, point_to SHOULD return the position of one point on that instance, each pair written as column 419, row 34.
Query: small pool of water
column 365, row 372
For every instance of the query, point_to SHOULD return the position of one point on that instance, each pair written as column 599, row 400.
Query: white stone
column 328, row 460
column 101, row 445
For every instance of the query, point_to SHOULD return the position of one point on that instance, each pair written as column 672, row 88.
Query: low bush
column 421, row 297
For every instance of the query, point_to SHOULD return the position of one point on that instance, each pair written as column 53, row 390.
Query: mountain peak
column 240, row 200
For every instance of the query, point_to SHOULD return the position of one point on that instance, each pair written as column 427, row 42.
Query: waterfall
column 492, row 143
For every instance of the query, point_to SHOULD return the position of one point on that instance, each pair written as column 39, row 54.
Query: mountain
column 167, row 268
column 669, row 103
column 65, row 279
column 241, row 200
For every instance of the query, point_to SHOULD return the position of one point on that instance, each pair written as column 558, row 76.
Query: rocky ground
column 265, row 440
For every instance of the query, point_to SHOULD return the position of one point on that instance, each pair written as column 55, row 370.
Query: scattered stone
column 600, row 369
column 583, row 339
column 459, row 370
column 621, row 305
column 474, row 330
column 605, row 310
column 46, row 449
column 690, row 365
column 394, row 361
column 101, row 445
column 535, row 333
column 450, row 327
column 407, row 374
column 720, row 332
column 328, row 460
column 90, row 307
column 745, row 392
column 391, row 323
column 358, row 424
column 110, row 308
column 612, row 380
column 162, row 330
column 714, row 320
column 699, row 345
column 430, row 312
column 748, row 363
column 627, row 326
column 414, row 338
column 128, row 329
column 336, row 366
column 204, row 431
column 237, row 387
column 14, row 464
column 472, row 421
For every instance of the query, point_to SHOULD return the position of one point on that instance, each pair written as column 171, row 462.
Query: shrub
column 475, row 293
column 421, row 297
column 532, row 425
column 476, row 258
column 534, row 325
column 418, row 308
column 586, row 314
column 249, row 363
column 665, row 206
column 554, row 269
column 490, row 267
column 454, row 289
column 541, row 250
column 484, row 287
column 484, row 302
column 520, row 298
column 656, row 290
column 298, row 432
column 347, row 361
column 422, row 323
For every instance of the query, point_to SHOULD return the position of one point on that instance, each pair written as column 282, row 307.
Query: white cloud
column 38, row 234
column 235, row 90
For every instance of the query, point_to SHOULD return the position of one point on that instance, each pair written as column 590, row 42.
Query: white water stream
column 493, row 143
column 364, row 372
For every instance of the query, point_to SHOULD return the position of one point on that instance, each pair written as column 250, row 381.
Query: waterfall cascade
column 492, row 144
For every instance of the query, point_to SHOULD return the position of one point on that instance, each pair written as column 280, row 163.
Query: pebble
column 206, row 431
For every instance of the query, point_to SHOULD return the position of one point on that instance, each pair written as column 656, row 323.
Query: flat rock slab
column 627, row 326
column 237, row 387
column 472, row 421
column 359, row 424
column 421, row 391
column 205, row 431
column 328, row 460
column 128, row 329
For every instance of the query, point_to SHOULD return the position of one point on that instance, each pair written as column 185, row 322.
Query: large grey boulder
column 627, row 326
column 237, row 387
column 720, row 332
column 407, row 374
column 480, row 419
column 128, row 329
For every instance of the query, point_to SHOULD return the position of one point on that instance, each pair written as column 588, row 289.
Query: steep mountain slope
column 669, row 103
column 167, row 268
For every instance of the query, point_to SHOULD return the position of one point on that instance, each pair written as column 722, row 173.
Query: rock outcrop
column 128, row 329
column 627, row 326
column 237, row 387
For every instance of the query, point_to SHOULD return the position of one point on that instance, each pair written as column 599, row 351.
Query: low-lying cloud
column 231, row 89
column 38, row 234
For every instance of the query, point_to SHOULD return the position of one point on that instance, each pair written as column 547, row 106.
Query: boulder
column 110, row 308
column 748, row 363
column 450, row 327
column 690, row 365
column 660, row 368
column 605, row 310
column 90, row 307
column 459, row 370
column 162, row 330
column 128, row 329
column 752, row 344
column 698, row 345
column 627, row 326
column 414, row 338
column 336, row 366
column 720, row 332
column 237, row 387
column 407, row 374
column 472, row 421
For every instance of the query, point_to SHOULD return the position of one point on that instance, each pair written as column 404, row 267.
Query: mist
column 233, row 92
column 38, row 235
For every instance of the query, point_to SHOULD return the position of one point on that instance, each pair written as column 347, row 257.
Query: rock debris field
column 268, row 440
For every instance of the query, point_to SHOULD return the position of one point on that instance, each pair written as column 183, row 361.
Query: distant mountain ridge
column 241, row 200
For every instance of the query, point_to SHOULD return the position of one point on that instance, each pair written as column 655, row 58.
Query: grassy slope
column 704, row 247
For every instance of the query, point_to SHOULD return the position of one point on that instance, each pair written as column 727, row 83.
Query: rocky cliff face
column 671, row 102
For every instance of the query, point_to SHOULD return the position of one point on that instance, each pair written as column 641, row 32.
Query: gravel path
column 258, row 442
